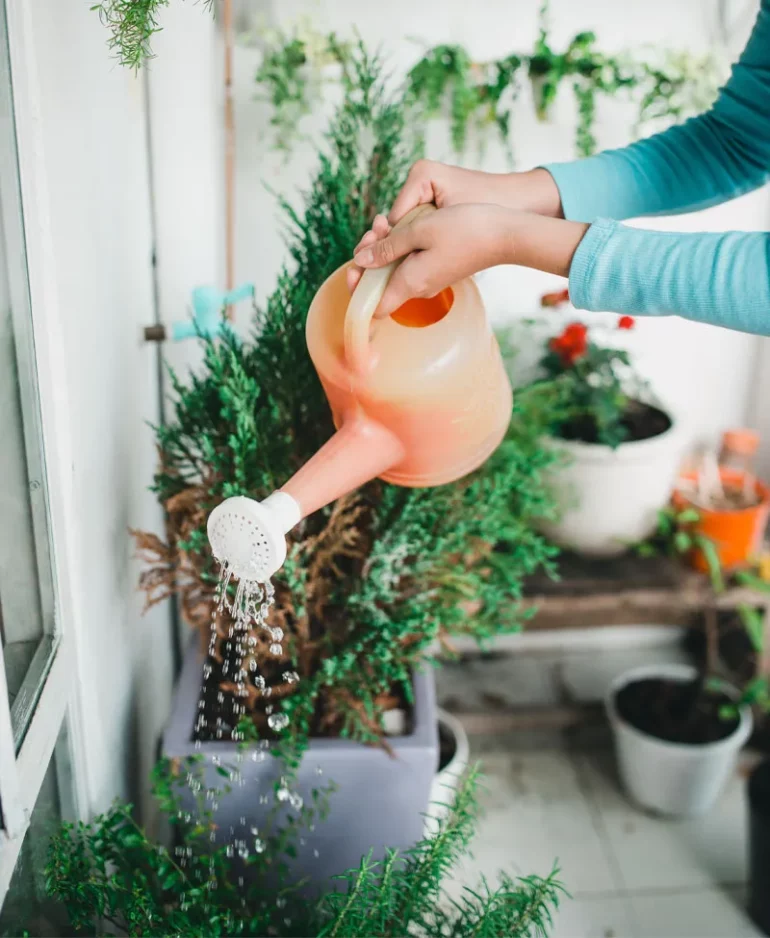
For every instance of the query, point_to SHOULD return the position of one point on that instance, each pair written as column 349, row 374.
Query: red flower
column 554, row 299
column 626, row 322
column 571, row 344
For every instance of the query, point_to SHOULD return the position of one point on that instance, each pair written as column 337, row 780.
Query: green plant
column 132, row 24
column 478, row 95
column 373, row 581
column 598, row 381
column 110, row 877
column 677, row 535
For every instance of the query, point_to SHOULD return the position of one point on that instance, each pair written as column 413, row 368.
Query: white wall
column 95, row 161
column 704, row 373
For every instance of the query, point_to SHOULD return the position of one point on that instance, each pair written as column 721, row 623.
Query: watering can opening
column 421, row 312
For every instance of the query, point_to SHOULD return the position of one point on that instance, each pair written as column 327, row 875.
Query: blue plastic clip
column 207, row 306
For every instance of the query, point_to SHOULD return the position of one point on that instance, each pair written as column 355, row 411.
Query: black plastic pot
column 759, row 846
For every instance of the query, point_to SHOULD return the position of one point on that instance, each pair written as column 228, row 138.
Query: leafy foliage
column 109, row 876
column 600, row 384
column 678, row 534
column 477, row 95
column 132, row 24
column 372, row 581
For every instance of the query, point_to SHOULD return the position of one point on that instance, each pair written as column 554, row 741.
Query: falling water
column 248, row 611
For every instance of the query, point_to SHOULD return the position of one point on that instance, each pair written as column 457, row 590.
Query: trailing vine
column 477, row 96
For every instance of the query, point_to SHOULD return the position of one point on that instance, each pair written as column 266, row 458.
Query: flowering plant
column 602, row 385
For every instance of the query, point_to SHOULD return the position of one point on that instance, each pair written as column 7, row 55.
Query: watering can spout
column 250, row 536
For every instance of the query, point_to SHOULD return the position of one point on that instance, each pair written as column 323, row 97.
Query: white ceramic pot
column 674, row 779
column 447, row 779
column 608, row 498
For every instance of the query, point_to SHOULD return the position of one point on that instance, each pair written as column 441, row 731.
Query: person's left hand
column 440, row 248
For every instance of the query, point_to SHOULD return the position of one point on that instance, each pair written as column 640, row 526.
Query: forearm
column 709, row 159
column 542, row 243
column 718, row 278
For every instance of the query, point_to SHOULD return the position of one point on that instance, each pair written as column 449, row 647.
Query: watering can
column 418, row 399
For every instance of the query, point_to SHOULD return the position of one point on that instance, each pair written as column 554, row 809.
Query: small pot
column 610, row 498
column 759, row 845
column 454, row 753
column 674, row 779
column 736, row 535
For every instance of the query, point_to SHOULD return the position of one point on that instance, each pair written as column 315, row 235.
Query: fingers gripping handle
column 365, row 300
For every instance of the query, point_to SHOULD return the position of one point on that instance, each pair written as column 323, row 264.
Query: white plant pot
column 609, row 499
column 447, row 779
column 674, row 779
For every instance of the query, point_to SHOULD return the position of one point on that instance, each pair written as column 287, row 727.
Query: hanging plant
column 132, row 24
column 477, row 96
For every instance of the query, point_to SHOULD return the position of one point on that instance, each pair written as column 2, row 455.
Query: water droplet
column 291, row 677
column 277, row 634
column 259, row 682
column 316, row 854
column 296, row 801
column 319, row 770
column 253, row 664
column 243, row 821
column 277, row 721
column 259, row 846
column 276, row 649
column 254, row 830
column 282, row 794
column 280, row 903
column 229, row 850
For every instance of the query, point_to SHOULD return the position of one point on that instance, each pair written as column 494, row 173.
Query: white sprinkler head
column 250, row 536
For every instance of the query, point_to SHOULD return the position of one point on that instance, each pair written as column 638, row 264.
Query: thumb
column 388, row 249
column 401, row 286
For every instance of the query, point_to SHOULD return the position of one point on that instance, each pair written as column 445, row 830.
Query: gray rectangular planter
column 380, row 799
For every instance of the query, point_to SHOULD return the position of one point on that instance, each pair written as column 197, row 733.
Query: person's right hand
column 444, row 185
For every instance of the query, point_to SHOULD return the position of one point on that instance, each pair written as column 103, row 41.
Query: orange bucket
column 737, row 534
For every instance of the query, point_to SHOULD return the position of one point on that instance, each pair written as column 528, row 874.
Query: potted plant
column 109, row 876
column 678, row 728
column 369, row 583
column 619, row 451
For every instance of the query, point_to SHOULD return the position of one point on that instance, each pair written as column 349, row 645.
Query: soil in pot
column 641, row 422
column 675, row 711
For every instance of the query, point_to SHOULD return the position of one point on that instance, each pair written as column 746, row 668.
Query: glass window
column 27, row 631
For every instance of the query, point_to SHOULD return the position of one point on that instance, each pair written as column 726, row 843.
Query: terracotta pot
column 736, row 535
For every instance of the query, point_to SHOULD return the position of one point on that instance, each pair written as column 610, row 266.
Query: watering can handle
column 366, row 299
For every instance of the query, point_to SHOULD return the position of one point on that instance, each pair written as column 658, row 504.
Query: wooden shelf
column 626, row 590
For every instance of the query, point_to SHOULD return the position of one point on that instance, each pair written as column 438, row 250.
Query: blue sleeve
column 720, row 278
column 707, row 160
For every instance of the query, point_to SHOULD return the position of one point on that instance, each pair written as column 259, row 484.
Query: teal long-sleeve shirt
column 717, row 278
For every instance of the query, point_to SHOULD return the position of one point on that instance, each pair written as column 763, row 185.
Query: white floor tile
column 655, row 853
column 535, row 814
column 593, row 918
column 711, row 914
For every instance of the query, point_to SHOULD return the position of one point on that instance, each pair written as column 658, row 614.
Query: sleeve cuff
column 581, row 287
column 576, row 187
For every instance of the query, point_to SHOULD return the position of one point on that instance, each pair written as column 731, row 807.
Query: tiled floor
column 555, row 797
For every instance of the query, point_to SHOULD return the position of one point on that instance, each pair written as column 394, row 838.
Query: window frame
column 22, row 772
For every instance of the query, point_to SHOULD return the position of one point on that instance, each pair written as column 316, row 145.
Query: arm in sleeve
column 709, row 159
column 717, row 278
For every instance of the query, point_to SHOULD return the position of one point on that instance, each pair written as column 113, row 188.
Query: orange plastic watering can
column 418, row 399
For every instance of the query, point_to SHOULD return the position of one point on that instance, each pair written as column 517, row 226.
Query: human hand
column 446, row 186
column 439, row 248
column 452, row 243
